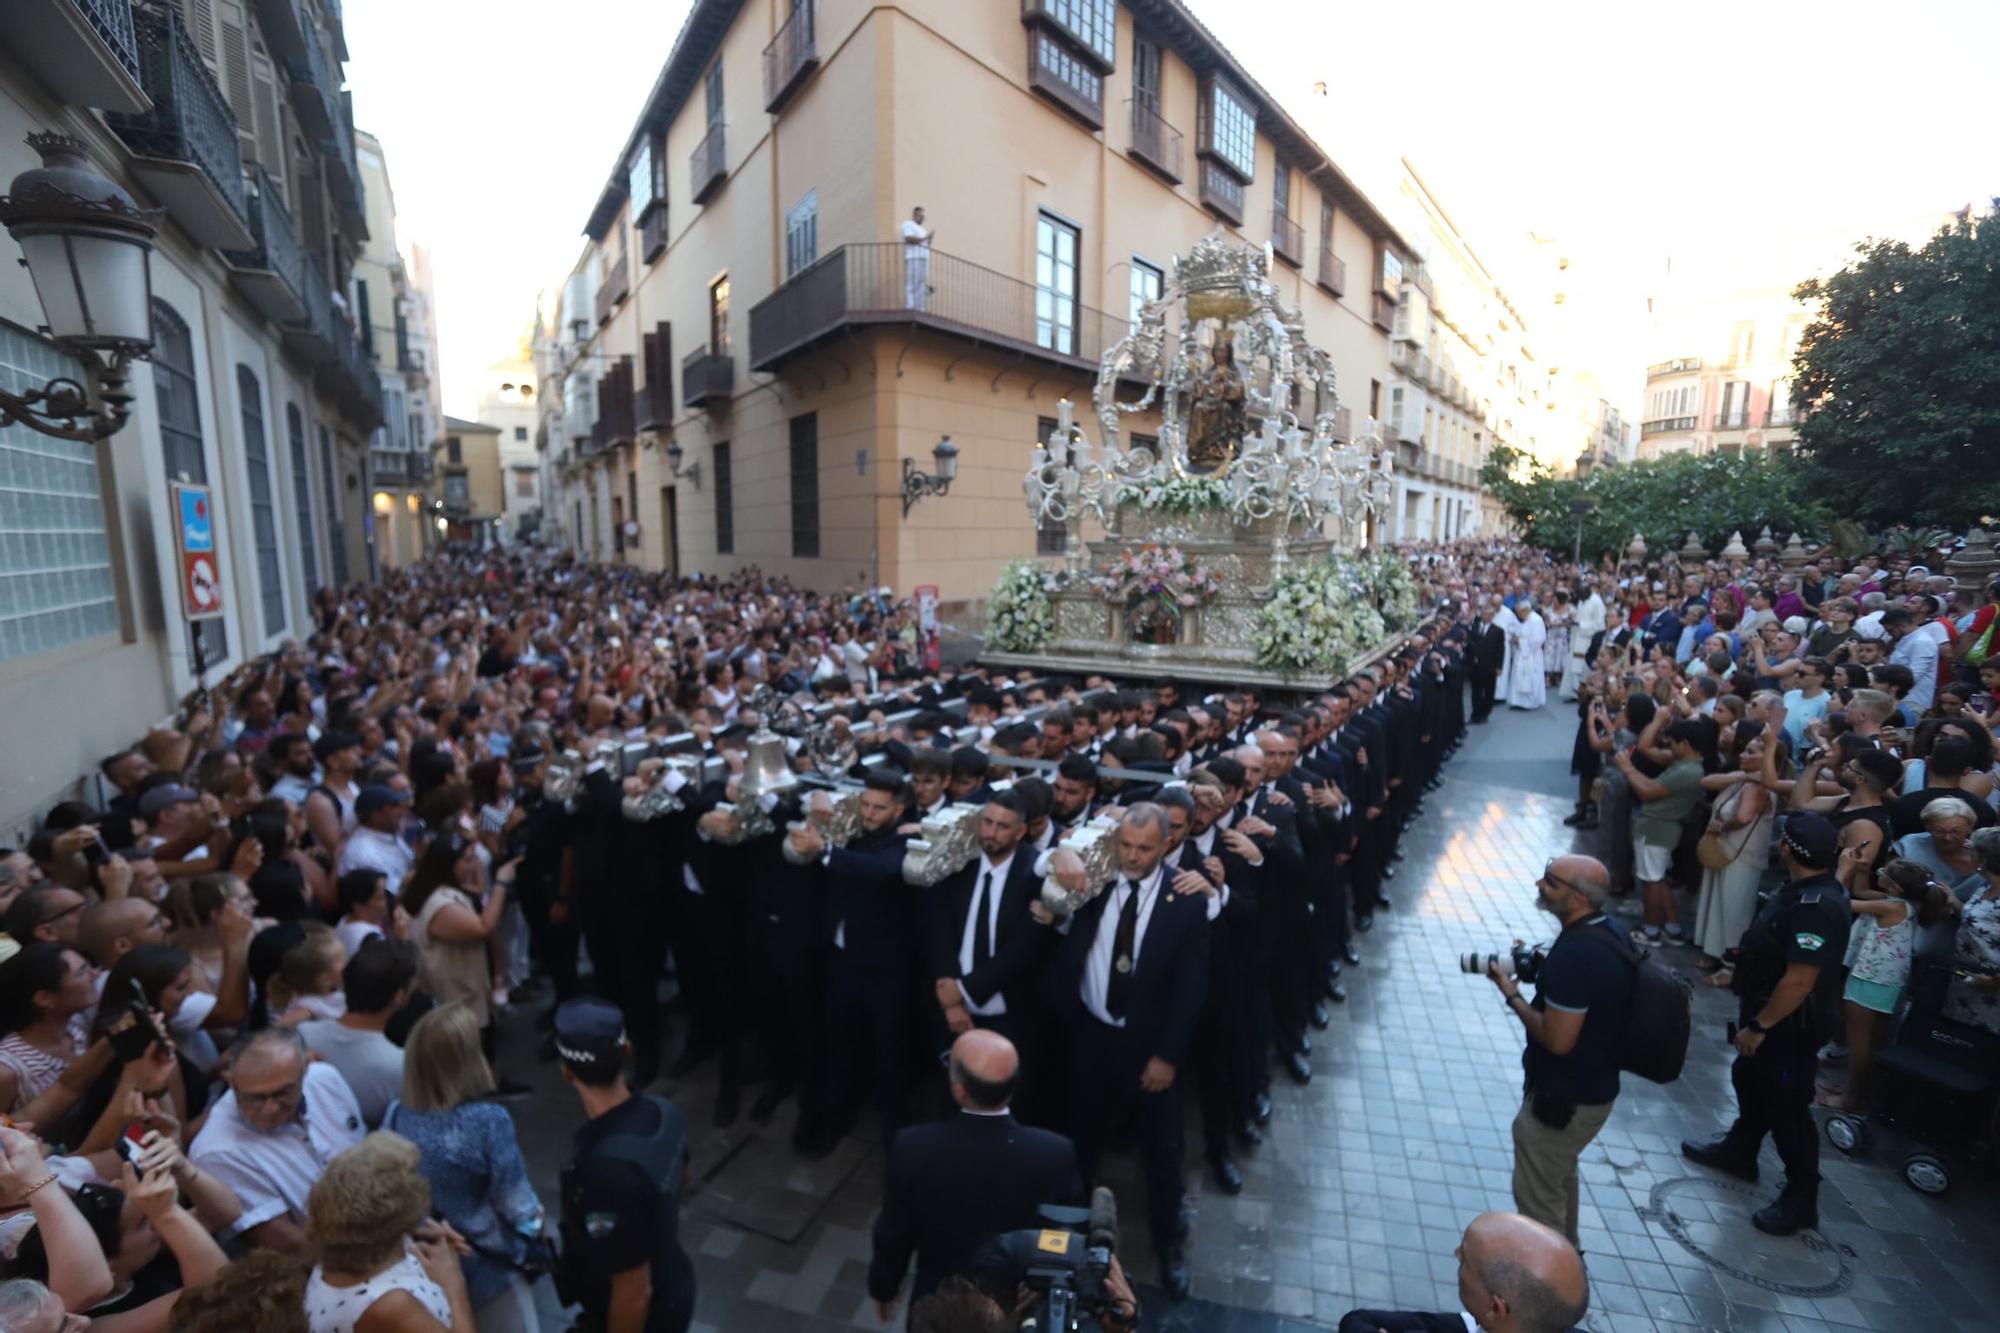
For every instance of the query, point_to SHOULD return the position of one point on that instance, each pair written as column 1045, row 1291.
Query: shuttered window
column 295, row 449
column 263, row 510
column 725, row 502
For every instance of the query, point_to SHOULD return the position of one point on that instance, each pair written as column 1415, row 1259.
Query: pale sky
column 1756, row 133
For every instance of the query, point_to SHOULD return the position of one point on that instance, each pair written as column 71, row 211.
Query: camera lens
column 1476, row 963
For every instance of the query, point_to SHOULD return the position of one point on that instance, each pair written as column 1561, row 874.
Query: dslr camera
column 1063, row 1265
column 1523, row 962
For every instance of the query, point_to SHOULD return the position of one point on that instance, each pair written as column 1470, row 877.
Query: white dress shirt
column 272, row 1173
column 994, row 1004
column 366, row 849
column 1097, row 967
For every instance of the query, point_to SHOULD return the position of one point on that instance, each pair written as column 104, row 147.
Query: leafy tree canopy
column 1711, row 495
column 1902, row 372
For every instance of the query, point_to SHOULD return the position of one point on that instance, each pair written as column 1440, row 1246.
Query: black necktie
column 1242, row 811
column 1122, row 945
column 982, row 931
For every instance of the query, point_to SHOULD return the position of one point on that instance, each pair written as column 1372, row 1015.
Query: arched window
column 295, row 445
column 180, row 437
column 263, row 513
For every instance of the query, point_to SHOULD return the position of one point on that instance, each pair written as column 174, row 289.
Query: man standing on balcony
column 916, row 260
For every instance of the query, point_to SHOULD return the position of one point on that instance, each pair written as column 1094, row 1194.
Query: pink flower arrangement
column 1166, row 573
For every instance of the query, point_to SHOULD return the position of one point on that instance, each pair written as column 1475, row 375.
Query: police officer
column 1788, row 984
column 622, row 1259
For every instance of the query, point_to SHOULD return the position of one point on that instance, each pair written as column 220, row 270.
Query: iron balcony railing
column 286, row 29
column 792, row 54
column 190, row 120
column 1154, row 141
column 708, row 165
column 111, row 20
column 1221, row 192
column 879, row 283
column 1666, row 426
column 315, row 92
column 404, row 467
column 707, row 378
column 277, row 249
column 1288, row 238
column 1332, row 272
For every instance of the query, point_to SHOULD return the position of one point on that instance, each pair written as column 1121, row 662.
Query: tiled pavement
column 1370, row 1173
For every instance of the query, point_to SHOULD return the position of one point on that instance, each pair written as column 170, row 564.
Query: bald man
column 1570, row 1065
column 957, row 1183
column 1514, row 1276
column 109, row 931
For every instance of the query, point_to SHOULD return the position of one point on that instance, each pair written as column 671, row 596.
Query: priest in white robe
column 1527, row 679
column 1589, row 624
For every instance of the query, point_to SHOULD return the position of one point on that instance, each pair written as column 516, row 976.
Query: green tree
column 1663, row 499
column 1901, row 371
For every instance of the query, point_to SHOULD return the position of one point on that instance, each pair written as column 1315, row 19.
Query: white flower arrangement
column 1318, row 618
column 1395, row 589
column 1019, row 618
column 1178, row 494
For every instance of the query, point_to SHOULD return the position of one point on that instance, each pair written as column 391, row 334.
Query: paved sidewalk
column 1370, row 1173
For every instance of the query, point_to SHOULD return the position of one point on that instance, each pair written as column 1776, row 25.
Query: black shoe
column 1321, row 1019
column 690, row 1060
column 1396, row 855
column 728, row 1105
column 1573, row 818
column 1337, row 993
column 1260, row 1108
column 1334, row 968
column 1305, row 1044
column 767, row 1103
column 1227, row 1174
column 1791, row 1212
column 1589, row 824
column 1249, row 1135
column 1174, row 1272
column 1299, row 1068
column 1388, row 872
column 1348, row 952
column 1363, row 921
column 1724, row 1155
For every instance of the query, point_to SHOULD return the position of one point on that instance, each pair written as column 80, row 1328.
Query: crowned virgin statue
column 1217, row 417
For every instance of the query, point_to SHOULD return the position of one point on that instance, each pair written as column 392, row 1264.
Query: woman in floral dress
column 1560, row 618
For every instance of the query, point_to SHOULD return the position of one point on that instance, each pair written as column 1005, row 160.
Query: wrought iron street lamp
column 88, row 247
column 1583, row 508
column 916, row 485
column 674, row 456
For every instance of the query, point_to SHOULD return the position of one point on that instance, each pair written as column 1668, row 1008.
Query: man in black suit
column 1514, row 1276
column 952, row 1185
column 1489, row 650
column 986, row 952
column 1130, row 979
column 872, row 921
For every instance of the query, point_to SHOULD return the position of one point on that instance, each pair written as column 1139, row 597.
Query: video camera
column 1523, row 962
column 1063, row 1265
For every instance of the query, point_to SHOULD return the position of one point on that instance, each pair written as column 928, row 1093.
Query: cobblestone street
column 1370, row 1173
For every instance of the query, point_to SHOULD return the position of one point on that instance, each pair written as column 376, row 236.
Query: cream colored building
column 508, row 401
column 394, row 317
column 470, row 486
column 1723, row 380
column 745, row 302
column 228, row 115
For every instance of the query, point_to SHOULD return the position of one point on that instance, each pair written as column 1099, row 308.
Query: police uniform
column 621, row 1190
column 1805, row 921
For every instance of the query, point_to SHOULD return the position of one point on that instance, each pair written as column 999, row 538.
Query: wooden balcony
column 1384, row 312
column 1288, row 238
column 1332, row 272
column 1221, row 192
column 617, row 286
column 1059, row 74
column 1154, row 142
column 87, row 51
column 792, row 54
column 708, row 165
column 653, row 233
column 867, row 283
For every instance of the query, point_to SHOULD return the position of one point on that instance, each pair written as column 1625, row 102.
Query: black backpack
column 1659, row 1020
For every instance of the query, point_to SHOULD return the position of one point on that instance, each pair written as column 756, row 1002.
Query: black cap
column 1812, row 840
column 589, row 1033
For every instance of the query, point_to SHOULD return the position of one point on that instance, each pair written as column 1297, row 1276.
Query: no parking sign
column 194, row 539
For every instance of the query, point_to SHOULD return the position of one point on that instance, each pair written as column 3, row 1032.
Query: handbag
column 1715, row 854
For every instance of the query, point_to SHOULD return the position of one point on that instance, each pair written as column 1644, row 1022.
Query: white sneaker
column 1643, row 938
column 1833, row 1053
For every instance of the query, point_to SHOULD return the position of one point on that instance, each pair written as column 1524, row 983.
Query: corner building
column 739, row 366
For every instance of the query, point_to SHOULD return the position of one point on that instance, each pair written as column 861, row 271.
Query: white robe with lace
column 1589, row 623
column 1527, row 682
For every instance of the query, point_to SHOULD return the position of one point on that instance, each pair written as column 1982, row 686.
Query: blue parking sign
column 197, row 520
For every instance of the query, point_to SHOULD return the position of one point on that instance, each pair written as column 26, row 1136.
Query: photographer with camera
column 1583, row 988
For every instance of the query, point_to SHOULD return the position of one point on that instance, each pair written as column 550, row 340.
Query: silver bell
column 767, row 770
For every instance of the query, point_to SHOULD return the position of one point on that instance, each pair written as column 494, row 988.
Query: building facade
column 229, row 116
column 1723, row 383
column 394, row 317
column 747, row 357
column 509, row 402
column 471, row 491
